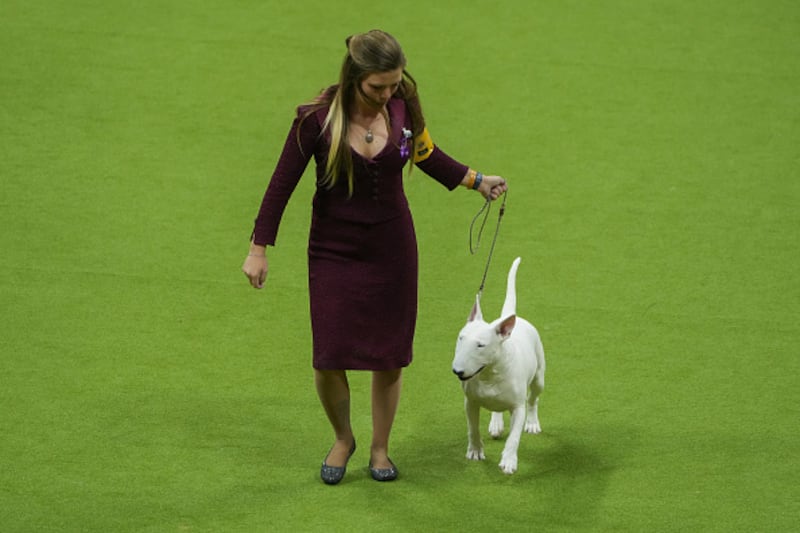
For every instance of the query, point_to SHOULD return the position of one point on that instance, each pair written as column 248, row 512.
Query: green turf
column 652, row 153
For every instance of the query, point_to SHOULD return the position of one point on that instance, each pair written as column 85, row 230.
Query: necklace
column 369, row 137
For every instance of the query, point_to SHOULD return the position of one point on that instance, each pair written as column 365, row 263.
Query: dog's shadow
column 561, row 469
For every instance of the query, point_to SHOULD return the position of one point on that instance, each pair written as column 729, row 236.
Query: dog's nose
column 459, row 373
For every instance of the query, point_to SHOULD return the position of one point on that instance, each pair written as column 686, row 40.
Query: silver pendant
column 368, row 137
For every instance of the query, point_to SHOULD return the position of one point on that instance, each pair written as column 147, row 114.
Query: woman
column 362, row 251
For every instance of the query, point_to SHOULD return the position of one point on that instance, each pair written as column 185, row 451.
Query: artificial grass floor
column 651, row 149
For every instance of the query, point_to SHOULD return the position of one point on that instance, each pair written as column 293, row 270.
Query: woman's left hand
column 492, row 187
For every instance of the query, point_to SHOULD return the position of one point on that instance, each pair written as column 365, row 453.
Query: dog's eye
column 481, row 345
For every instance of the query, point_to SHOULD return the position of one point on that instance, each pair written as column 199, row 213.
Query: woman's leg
column 386, row 385
column 334, row 393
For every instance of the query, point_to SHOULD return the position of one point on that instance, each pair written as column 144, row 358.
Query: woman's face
column 377, row 88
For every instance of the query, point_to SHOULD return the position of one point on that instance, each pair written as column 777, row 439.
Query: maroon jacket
column 378, row 193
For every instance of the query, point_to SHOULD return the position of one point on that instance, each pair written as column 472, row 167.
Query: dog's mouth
column 462, row 377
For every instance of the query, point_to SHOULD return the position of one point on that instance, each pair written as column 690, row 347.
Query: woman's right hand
column 255, row 266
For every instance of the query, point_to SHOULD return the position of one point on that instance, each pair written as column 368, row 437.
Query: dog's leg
column 532, row 422
column 496, row 425
column 537, row 386
column 508, row 462
column 474, row 443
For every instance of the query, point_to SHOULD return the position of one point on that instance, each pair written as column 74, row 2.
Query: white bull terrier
column 501, row 368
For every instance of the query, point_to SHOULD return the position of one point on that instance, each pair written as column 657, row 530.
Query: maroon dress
column 362, row 250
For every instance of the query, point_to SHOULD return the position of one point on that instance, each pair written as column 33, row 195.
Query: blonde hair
column 367, row 53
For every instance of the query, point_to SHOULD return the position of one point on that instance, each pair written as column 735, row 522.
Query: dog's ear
column 476, row 314
column 505, row 327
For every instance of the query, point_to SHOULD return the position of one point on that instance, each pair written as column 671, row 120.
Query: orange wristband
column 472, row 176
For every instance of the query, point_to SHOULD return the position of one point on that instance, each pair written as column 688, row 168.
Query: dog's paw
column 475, row 454
column 532, row 426
column 496, row 425
column 508, row 464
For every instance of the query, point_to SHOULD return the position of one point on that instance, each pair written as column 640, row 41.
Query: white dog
column 501, row 367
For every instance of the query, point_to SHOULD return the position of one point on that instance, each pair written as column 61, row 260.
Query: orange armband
column 423, row 146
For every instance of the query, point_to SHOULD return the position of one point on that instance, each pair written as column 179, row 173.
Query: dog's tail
column 510, row 305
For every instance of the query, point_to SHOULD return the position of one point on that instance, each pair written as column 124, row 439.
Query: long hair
column 367, row 53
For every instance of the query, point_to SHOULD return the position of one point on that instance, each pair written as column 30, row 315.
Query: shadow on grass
column 561, row 480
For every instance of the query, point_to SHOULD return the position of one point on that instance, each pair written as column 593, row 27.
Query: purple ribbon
column 405, row 150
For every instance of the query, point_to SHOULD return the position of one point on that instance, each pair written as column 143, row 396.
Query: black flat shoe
column 332, row 475
column 383, row 474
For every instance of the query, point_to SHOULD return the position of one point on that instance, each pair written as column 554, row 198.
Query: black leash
column 487, row 207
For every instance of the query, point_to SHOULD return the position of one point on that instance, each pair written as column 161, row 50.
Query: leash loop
column 487, row 207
